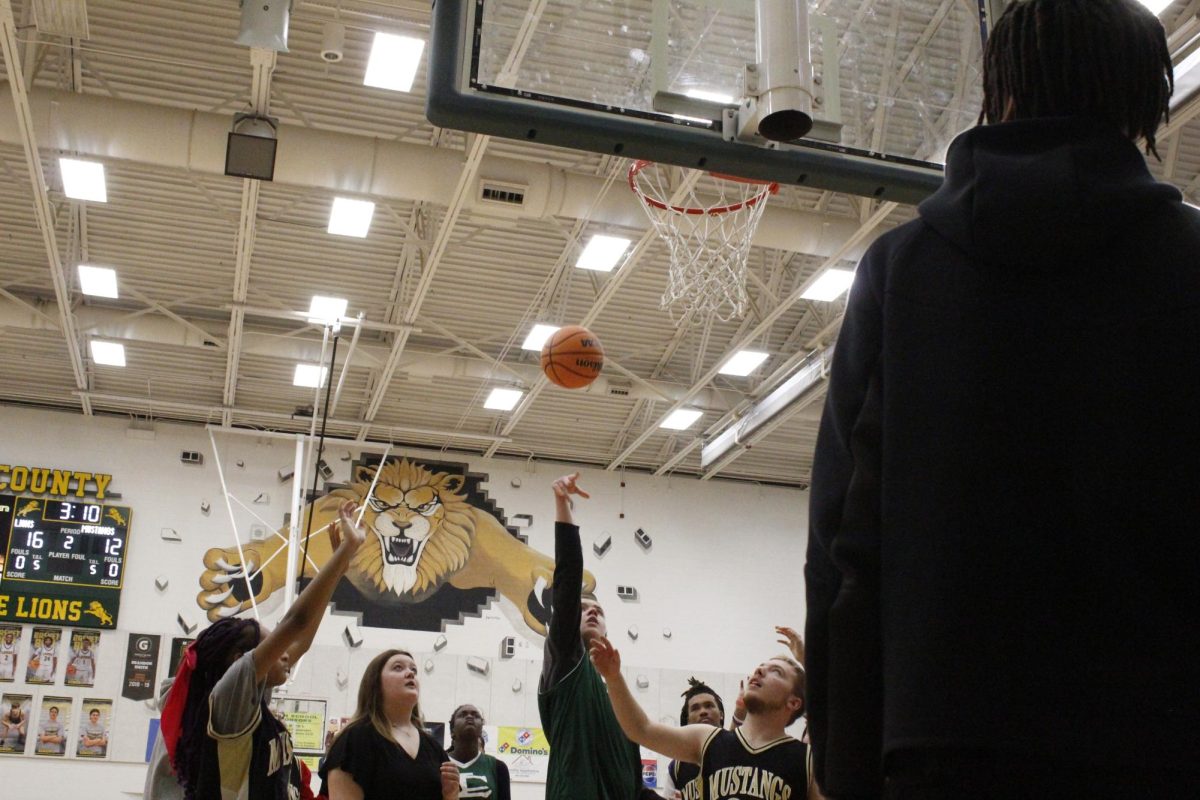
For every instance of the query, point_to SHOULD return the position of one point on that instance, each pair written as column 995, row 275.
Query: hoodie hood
column 1035, row 193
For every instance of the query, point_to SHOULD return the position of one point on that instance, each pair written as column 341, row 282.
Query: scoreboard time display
column 63, row 561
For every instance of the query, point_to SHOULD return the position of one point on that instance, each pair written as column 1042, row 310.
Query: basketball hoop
column 708, row 238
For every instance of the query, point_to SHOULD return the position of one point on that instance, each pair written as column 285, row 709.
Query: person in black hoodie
column 1003, row 574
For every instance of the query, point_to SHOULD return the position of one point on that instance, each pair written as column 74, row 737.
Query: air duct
column 174, row 138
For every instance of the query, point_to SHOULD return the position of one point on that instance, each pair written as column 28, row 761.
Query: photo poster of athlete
column 94, row 725
column 14, row 722
column 81, row 661
column 43, row 656
column 53, row 728
column 10, row 652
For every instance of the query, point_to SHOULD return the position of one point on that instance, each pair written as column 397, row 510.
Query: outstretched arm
column 683, row 744
column 299, row 624
column 564, row 647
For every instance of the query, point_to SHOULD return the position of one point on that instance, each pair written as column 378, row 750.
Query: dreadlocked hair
column 696, row 687
column 1101, row 59
column 216, row 649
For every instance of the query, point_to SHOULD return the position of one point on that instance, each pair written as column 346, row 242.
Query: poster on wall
column 305, row 720
column 81, row 662
column 526, row 753
column 141, row 666
column 333, row 728
column 10, row 652
column 438, row 549
column 178, row 645
column 96, row 722
column 15, row 710
column 54, row 727
column 43, row 655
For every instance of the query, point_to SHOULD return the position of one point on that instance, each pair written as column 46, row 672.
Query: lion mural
column 424, row 540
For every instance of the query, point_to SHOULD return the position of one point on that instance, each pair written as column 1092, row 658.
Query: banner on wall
column 10, row 652
column 94, row 726
column 15, row 710
column 141, row 666
column 84, row 649
column 54, row 727
column 526, row 753
column 43, row 656
column 178, row 645
column 305, row 720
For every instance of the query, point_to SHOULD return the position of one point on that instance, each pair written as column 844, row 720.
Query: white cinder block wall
column 725, row 567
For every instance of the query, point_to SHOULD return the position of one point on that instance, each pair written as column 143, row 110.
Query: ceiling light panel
column 83, row 180
column 743, row 362
column 602, row 253
column 681, row 419
column 393, row 62
column 98, row 281
column 832, row 284
column 348, row 217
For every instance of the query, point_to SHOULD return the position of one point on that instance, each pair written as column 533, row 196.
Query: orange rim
column 769, row 188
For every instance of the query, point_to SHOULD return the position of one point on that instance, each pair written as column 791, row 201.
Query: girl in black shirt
column 384, row 753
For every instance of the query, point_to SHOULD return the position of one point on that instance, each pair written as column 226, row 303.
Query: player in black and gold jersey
column 758, row 760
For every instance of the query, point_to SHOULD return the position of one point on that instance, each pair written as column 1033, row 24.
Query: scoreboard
column 63, row 561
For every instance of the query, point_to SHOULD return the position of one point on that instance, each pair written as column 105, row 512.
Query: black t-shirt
column 382, row 769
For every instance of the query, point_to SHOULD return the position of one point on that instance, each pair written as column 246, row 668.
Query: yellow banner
column 525, row 751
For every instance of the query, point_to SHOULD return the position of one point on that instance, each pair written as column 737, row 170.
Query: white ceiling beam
column 41, row 197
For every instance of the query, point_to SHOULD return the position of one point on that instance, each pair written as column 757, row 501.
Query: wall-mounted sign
column 141, row 666
column 62, row 561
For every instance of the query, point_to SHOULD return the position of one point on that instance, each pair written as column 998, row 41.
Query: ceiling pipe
column 176, row 138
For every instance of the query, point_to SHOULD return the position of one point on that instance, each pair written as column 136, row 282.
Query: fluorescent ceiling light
column 503, row 399
column 743, row 362
column 83, row 180
column 324, row 310
column 393, row 62
column 704, row 94
column 1156, row 6
column 682, row 419
column 602, row 253
column 110, row 354
column 792, row 395
column 350, row 217
column 98, row 281
column 831, row 285
column 311, row 376
column 538, row 336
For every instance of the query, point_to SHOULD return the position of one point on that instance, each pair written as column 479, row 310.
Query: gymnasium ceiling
column 213, row 270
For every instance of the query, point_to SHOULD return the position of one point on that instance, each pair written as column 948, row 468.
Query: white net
column 708, row 238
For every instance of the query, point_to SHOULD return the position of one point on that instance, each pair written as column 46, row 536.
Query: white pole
column 233, row 525
column 289, row 586
column 784, row 69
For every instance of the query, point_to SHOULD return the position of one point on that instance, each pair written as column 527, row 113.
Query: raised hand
column 347, row 532
column 450, row 784
column 605, row 657
column 566, row 486
column 793, row 641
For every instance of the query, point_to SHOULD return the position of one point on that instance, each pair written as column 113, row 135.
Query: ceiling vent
column 619, row 389
column 61, row 18
column 495, row 194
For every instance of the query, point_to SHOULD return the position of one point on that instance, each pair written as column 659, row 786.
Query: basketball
column 572, row 357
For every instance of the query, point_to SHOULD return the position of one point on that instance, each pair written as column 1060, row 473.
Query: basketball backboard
column 670, row 81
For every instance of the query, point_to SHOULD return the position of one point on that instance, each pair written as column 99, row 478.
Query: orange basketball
column 572, row 357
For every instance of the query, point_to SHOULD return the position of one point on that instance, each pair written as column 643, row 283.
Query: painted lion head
column 423, row 528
